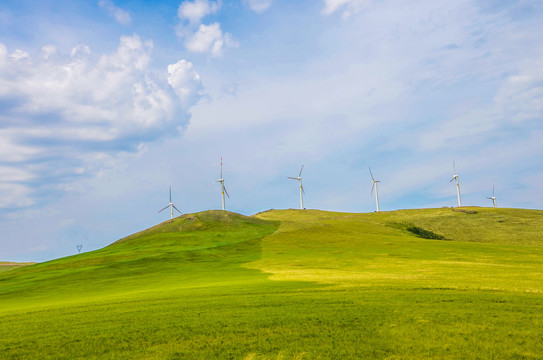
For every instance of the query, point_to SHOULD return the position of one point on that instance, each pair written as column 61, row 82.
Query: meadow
column 290, row 284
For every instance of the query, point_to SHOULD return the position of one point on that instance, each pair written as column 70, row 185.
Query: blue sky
column 104, row 104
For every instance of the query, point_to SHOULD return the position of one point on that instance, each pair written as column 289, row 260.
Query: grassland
column 8, row 265
column 287, row 284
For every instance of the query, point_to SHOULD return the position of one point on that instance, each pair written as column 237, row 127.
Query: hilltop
column 219, row 285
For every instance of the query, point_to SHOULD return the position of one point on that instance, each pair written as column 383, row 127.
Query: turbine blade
column 177, row 210
column 454, row 168
column 221, row 168
column 163, row 209
column 371, row 175
column 170, row 193
column 372, row 186
column 300, row 174
column 492, row 190
column 293, row 178
column 451, row 180
column 303, row 191
column 226, row 192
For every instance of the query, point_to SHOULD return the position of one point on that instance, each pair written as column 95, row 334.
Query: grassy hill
column 282, row 284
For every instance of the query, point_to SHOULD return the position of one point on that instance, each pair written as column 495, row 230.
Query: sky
column 104, row 104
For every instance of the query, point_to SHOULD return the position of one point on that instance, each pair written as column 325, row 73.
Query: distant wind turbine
column 299, row 178
column 374, row 185
column 223, row 189
column 170, row 205
column 455, row 177
column 493, row 198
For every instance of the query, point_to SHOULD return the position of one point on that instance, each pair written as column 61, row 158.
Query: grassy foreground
column 289, row 284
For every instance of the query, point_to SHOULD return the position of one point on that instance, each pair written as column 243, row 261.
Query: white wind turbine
column 374, row 185
column 493, row 198
column 299, row 178
column 455, row 177
column 223, row 189
column 170, row 205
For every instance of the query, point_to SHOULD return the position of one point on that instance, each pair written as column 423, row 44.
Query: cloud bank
column 63, row 116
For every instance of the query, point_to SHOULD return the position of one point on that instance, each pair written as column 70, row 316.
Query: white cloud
column 196, row 10
column 209, row 39
column 198, row 37
column 349, row 7
column 258, row 5
column 120, row 15
column 75, row 112
column 185, row 81
column 19, row 55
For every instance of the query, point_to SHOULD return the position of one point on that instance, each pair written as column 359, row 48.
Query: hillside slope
column 184, row 252
column 408, row 248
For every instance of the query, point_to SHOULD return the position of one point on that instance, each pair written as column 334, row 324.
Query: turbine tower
column 170, row 205
column 223, row 189
column 374, row 185
column 299, row 178
column 455, row 177
column 493, row 198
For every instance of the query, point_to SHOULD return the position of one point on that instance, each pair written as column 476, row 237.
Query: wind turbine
column 170, row 205
column 223, row 189
column 493, row 198
column 299, row 178
column 374, row 185
column 455, row 177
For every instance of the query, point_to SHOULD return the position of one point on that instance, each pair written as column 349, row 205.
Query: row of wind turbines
column 374, row 188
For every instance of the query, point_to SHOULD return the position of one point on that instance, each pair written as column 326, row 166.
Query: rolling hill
column 409, row 284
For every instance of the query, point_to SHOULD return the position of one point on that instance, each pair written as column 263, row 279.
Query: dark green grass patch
column 417, row 231
column 423, row 233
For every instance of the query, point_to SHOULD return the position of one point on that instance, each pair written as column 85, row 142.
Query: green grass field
column 290, row 284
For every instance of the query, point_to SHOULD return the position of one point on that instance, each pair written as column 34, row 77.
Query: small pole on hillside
column 79, row 247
